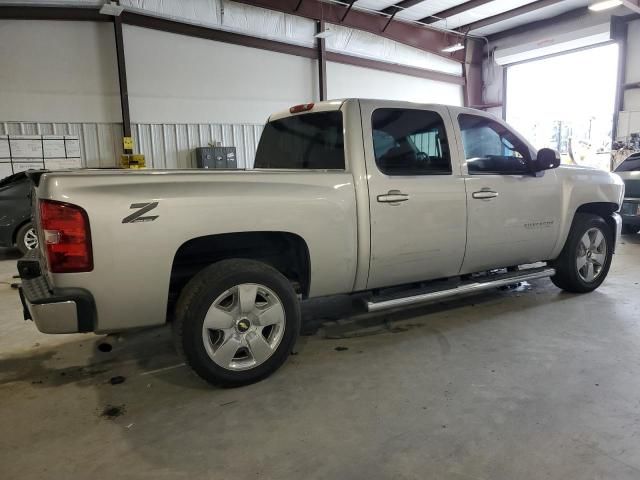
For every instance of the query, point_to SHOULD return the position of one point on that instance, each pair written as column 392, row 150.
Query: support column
column 322, row 62
column 619, row 31
column 472, row 68
column 122, row 78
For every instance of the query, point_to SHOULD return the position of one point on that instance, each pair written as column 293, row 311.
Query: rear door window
column 311, row 141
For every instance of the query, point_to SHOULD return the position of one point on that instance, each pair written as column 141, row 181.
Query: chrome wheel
column 591, row 254
column 30, row 239
column 243, row 327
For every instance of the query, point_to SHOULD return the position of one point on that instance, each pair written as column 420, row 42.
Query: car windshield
column 631, row 164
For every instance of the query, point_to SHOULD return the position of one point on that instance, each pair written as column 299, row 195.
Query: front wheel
column 236, row 322
column 585, row 259
column 630, row 229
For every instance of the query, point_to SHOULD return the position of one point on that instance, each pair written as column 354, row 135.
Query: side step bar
column 463, row 289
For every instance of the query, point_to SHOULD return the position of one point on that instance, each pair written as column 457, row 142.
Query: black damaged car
column 16, row 229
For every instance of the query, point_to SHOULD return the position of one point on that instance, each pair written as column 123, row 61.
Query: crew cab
column 408, row 203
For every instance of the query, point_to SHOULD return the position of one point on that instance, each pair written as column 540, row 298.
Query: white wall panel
column 58, row 71
column 345, row 81
column 179, row 79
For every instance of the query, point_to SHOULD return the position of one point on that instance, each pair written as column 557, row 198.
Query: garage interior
column 523, row 382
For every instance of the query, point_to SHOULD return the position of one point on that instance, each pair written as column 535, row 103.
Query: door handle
column 484, row 194
column 393, row 197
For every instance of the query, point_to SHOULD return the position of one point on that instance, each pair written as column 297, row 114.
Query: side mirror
column 546, row 160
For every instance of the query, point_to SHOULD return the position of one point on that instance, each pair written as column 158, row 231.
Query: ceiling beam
column 508, row 15
column 403, row 5
column 419, row 36
column 53, row 13
column 632, row 4
column 582, row 12
column 450, row 12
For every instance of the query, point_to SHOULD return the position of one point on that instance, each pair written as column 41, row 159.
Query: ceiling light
column 604, row 5
column 112, row 9
column 323, row 34
column 453, row 48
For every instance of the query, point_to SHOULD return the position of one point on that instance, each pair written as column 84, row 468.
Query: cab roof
column 332, row 105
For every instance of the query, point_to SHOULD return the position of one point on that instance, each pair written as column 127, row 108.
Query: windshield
column 631, row 164
column 313, row 141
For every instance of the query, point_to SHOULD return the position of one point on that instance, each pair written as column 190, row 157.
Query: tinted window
column 489, row 147
column 631, row 164
column 410, row 142
column 307, row 141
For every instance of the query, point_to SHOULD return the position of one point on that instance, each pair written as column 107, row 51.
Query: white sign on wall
column 25, row 152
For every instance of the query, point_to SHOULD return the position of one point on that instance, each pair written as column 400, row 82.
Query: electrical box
column 132, row 161
column 216, row 157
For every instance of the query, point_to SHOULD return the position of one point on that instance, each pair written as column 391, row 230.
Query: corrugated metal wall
column 164, row 145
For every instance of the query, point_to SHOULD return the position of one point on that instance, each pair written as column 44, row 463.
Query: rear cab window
column 309, row 141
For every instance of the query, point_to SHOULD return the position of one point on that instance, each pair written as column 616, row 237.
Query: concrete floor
column 523, row 384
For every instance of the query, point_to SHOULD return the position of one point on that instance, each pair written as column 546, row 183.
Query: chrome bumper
column 618, row 232
column 64, row 310
column 55, row 317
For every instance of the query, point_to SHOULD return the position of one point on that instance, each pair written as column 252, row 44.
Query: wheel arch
column 602, row 209
column 285, row 251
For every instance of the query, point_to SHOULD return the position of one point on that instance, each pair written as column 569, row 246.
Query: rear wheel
column 630, row 229
column 236, row 322
column 585, row 259
column 26, row 238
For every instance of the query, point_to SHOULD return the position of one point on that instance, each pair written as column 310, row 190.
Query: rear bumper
column 54, row 310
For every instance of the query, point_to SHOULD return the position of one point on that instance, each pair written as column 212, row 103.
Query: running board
column 376, row 305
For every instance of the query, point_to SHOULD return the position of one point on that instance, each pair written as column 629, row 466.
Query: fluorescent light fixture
column 604, row 5
column 323, row 34
column 453, row 48
column 112, row 9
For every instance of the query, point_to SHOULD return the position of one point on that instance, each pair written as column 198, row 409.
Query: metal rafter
column 632, row 4
column 509, row 14
column 403, row 5
column 450, row 12
column 351, row 2
column 418, row 36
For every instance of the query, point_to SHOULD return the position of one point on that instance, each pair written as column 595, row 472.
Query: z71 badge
column 138, row 216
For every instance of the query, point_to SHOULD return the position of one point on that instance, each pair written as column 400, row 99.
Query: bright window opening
column 567, row 102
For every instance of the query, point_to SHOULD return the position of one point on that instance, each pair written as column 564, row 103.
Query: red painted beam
column 422, row 37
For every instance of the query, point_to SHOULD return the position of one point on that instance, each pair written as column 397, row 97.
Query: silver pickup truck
column 346, row 196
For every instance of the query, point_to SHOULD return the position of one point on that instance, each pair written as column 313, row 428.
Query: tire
column 26, row 238
column 572, row 275
column 253, row 319
column 630, row 229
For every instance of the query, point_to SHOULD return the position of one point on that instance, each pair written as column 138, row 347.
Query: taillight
column 67, row 237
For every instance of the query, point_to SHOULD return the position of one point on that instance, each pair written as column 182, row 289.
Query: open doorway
column 566, row 102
